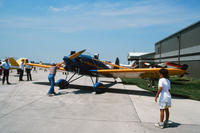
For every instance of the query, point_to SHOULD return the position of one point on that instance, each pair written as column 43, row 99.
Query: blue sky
column 49, row 29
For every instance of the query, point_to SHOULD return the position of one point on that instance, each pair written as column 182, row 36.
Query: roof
column 136, row 54
column 149, row 54
column 190, row 26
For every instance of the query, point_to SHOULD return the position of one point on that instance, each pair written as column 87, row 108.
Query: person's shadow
column 172, row 124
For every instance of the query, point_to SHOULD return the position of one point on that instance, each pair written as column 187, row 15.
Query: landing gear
column 115, row 81
column 98, row 87
column 63, row 83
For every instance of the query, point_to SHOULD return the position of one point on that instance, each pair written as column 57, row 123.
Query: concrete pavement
column 25, row 107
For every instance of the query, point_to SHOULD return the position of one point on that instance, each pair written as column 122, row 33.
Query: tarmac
column 26, row 108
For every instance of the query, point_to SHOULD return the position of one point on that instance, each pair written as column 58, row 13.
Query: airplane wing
column 139, row 72
column 59, row 64
column 13, row 63
column 44, row 66
column 113, row 65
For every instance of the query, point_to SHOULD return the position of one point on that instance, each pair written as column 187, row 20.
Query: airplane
column 15, row 64
column 85, row 65
column 124, row 66
column 131, row 65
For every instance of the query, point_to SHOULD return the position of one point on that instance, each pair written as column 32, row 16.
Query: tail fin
column 116, row 63
column 13, row 62
column 133, row 64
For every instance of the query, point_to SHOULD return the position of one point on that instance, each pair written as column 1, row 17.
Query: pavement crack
column 133, row 106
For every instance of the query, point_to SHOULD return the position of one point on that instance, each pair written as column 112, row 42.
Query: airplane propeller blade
column 59, row 64
column 76, row 54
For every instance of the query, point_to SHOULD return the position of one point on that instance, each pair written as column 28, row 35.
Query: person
column 51, row 77
column 0, row 70
column 151, row 80
column 6, row 67
column 164, row 98
column 21, row 70
column 34, row 69
column 28, row 71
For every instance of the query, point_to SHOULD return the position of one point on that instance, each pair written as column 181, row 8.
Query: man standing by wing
column 6, row 67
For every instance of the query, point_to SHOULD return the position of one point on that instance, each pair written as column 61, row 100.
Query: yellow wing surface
column 113, row 65
column 59, row 64
column 44, row 66
column 140, row 72
column 13, row 63
column 20, row 60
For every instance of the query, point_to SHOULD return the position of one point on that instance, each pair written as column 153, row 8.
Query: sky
column 47, row 30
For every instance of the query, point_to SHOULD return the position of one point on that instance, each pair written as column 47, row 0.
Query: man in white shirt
column 6, row 67
column 21, row 70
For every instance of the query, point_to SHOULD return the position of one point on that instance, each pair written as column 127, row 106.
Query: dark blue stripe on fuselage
column 84, row 63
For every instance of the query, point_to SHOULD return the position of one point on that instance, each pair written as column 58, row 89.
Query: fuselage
column 83, row 64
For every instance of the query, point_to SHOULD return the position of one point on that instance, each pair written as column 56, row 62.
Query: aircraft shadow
column 42, row 83
column 130, row 92
column 82, row 89
column 61, row 93
column 89, row 89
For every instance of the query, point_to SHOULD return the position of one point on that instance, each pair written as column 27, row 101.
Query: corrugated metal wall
column 182, row 47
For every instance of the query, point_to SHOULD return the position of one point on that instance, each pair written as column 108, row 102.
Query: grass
column 182, row 87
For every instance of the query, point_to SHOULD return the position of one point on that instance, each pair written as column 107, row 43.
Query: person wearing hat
column 6, row 67
column 51, row 78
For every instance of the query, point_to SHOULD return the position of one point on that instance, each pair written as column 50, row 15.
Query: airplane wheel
column 62, row 83
column 99, row 88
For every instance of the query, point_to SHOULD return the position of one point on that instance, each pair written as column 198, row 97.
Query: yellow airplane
column 15, row 64
column 86, row 65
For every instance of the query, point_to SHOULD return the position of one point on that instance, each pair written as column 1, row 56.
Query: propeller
column 76, row 54
column 72, row 56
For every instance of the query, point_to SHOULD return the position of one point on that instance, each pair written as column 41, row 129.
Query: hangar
column 182, row 47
